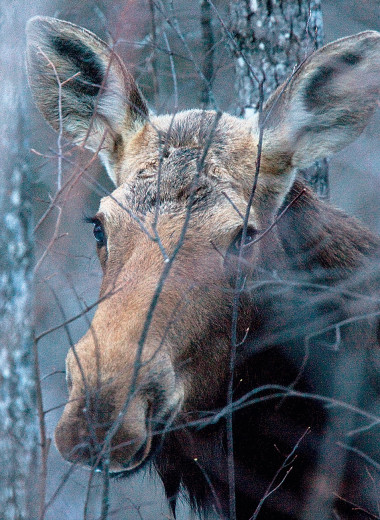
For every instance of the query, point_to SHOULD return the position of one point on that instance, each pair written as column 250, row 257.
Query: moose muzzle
column 117, row 419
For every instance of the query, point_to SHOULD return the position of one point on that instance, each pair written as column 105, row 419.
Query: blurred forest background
column 68, row 274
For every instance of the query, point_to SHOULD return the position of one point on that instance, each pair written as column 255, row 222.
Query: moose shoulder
column 197, row 292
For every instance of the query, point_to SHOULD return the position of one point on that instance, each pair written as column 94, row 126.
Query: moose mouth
column 140, row 460
column 137, row 460
column 150, row 447
column 140, row 457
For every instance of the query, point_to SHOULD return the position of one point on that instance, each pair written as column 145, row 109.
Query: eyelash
column 88, row 219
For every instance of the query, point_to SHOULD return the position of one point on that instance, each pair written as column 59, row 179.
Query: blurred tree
column 18, row 431
column 269, row 38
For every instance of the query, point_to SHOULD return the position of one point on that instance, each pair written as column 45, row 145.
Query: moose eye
column 99, row 233
column 238, row 242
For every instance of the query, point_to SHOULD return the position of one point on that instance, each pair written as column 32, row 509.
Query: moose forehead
column 209, row 143
column 194, row 156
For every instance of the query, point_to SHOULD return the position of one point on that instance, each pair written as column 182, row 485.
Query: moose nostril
column 81, row 432
column 87, row 451
column 76, row 444
column 81, row 452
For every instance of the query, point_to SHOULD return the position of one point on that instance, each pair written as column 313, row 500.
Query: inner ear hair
column 82, row 87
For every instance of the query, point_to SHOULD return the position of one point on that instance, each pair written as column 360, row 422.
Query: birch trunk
column 18, row 433
column 271, row 38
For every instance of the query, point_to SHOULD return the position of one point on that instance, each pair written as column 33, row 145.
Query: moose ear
column 325, row 105
column 81, row 86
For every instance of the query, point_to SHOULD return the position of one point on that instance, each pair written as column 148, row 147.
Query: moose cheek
column 103, row 256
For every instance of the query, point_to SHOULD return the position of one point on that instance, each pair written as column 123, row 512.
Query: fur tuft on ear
column 80, row 85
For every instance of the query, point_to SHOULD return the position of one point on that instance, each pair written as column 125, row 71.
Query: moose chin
column 236, row 331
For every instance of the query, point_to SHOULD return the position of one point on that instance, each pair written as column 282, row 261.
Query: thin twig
column 270, row 489
column 44, row 440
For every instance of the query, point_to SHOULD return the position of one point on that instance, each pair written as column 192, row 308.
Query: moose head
column 192, row 230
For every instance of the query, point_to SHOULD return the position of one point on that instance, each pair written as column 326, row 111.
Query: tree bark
column 271, row 38
column 208, row 42
column 18, row 430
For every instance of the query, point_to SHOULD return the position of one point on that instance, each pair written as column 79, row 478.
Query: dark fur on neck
column 332, row 261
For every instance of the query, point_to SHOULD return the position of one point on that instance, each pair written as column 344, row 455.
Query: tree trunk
column 271, row 38
column 18, row 431
column 208, row 42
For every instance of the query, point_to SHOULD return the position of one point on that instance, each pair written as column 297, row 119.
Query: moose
column 235, row 344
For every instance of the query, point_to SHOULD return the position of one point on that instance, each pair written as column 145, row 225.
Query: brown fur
column 158, row 350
